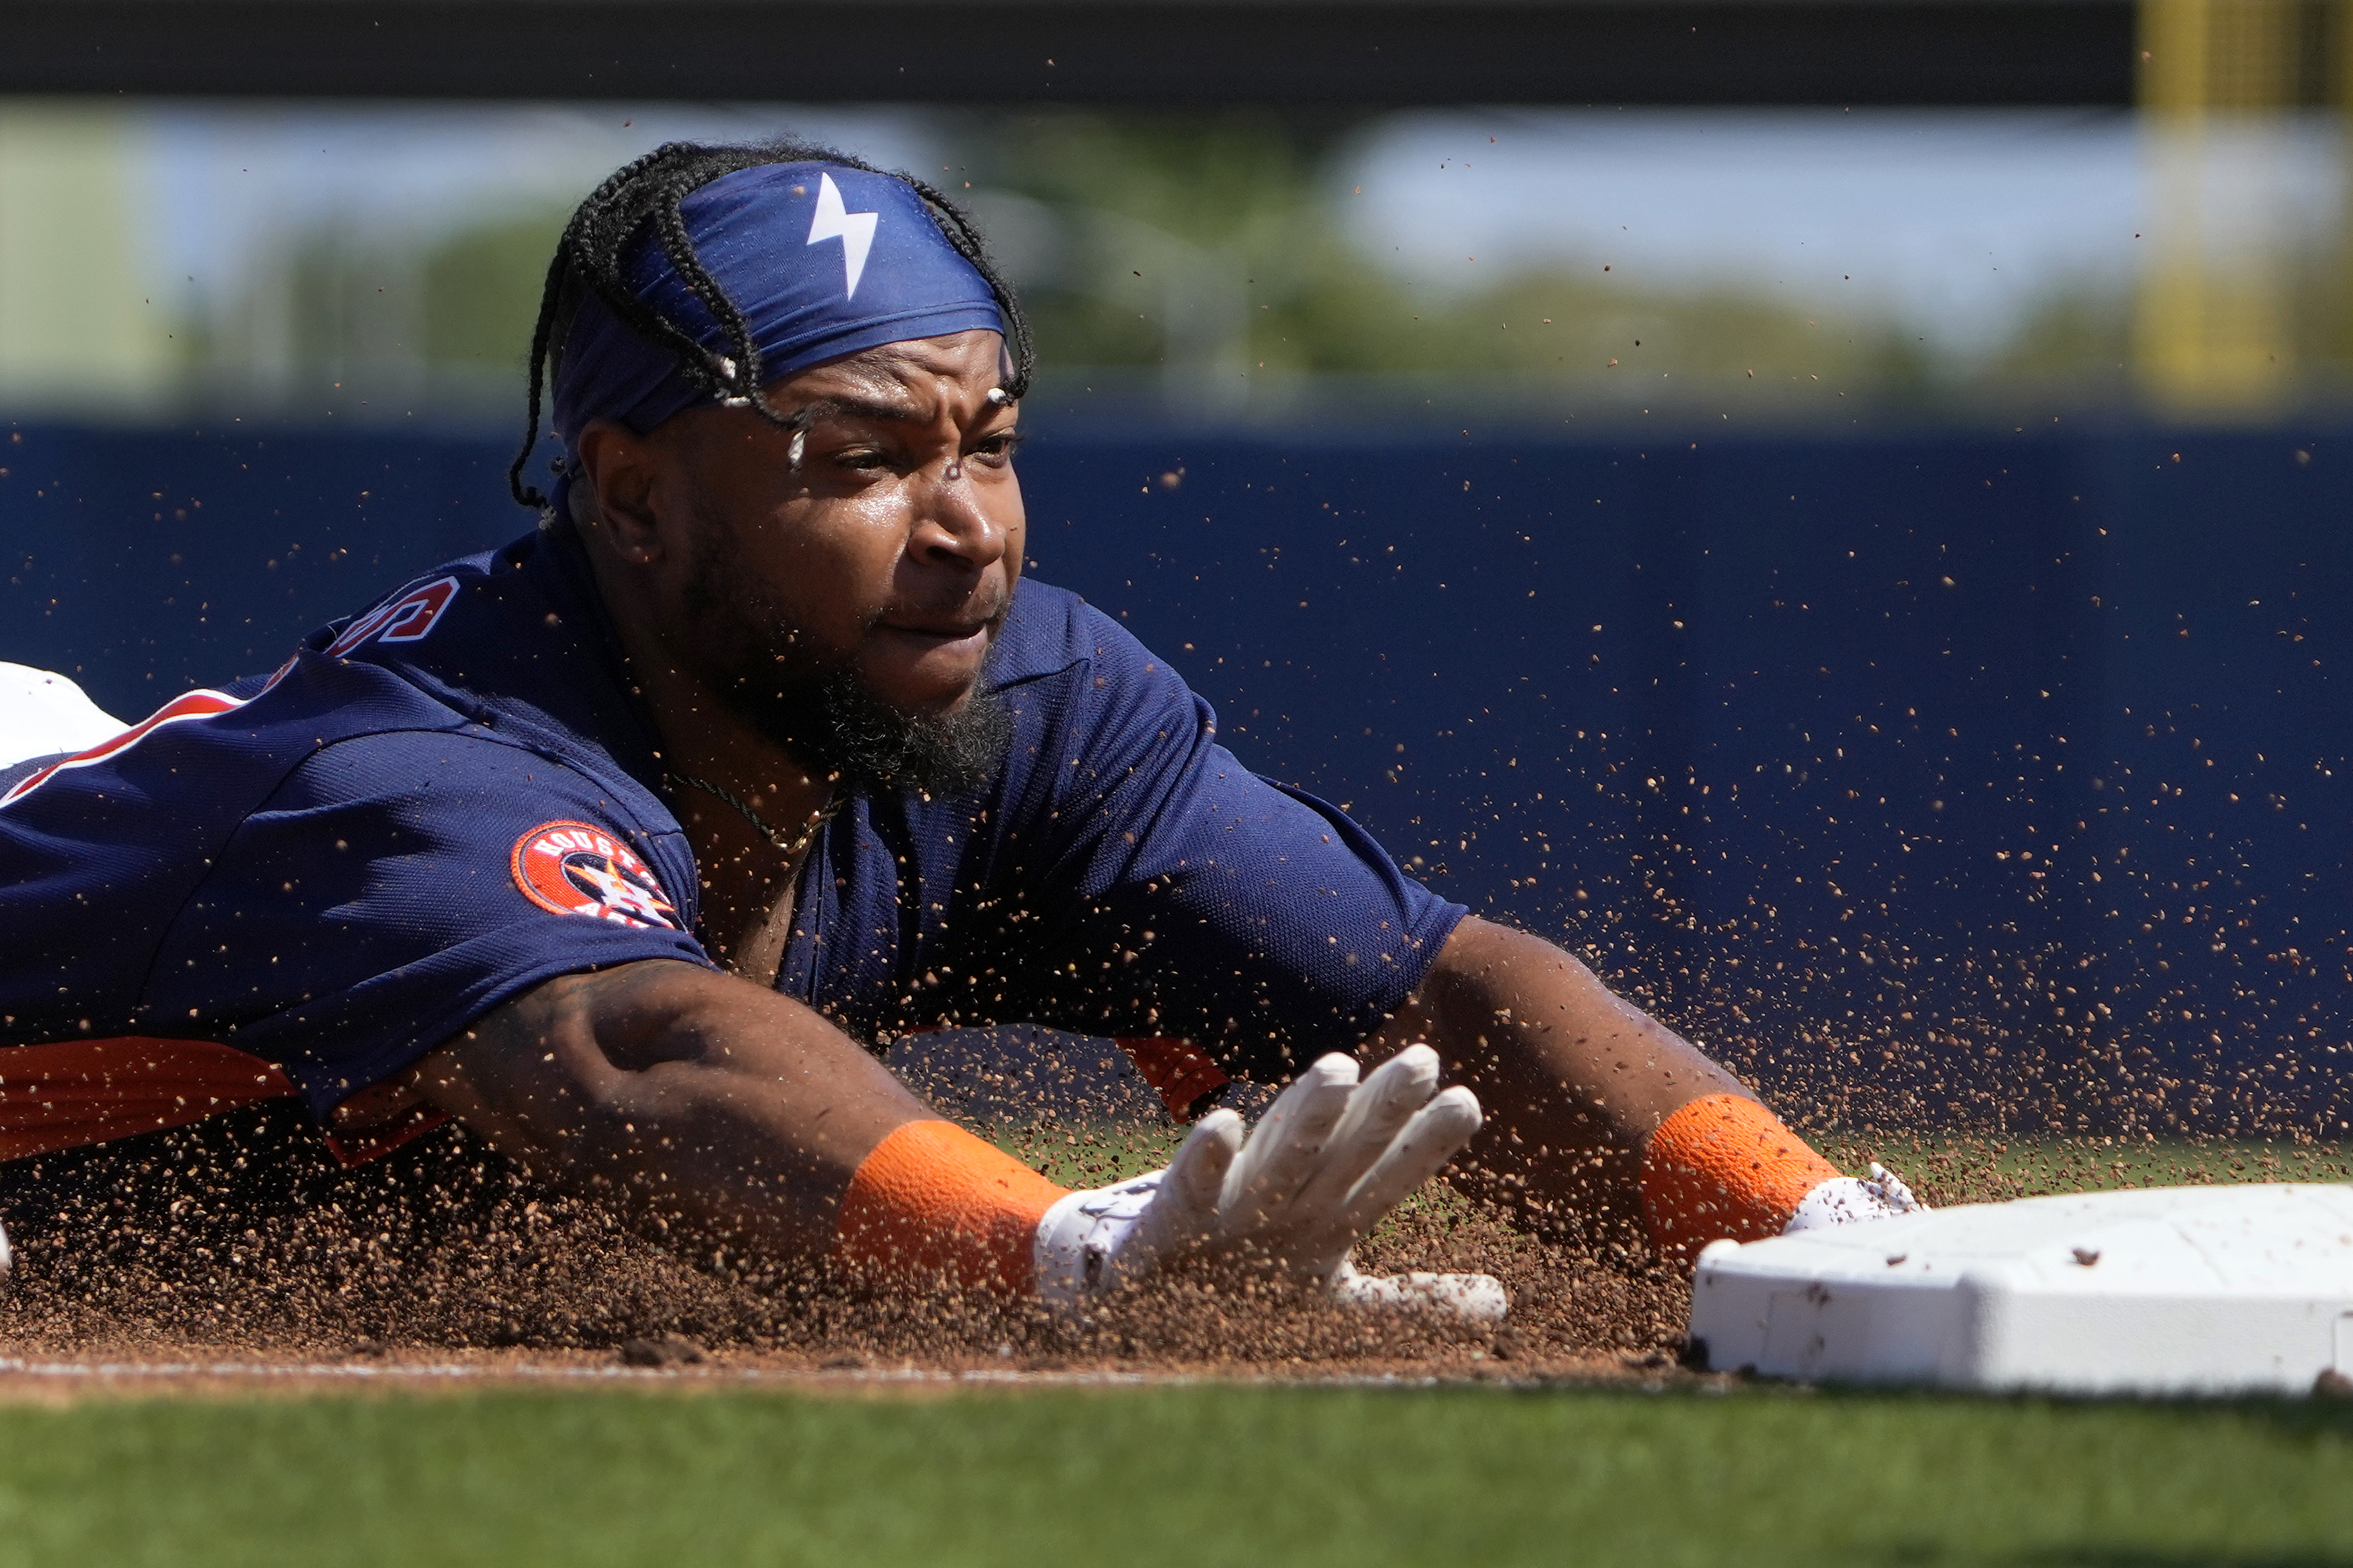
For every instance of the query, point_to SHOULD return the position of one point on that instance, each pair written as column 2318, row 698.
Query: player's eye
column 998, row 448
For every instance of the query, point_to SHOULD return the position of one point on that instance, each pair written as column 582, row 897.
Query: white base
column 2162, row 1291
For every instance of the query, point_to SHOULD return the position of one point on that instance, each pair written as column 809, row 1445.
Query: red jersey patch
column 573, row 868
column 405, row 619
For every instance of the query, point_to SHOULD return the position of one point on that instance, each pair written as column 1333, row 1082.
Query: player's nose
column 956, row 526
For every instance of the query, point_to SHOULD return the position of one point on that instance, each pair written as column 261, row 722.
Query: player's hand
column 1291, row 1199
column 1844, row 1200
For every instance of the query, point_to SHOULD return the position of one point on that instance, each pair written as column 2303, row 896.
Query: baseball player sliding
column 626, row 844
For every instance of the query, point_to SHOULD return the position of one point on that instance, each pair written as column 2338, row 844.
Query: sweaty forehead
column 914, row 376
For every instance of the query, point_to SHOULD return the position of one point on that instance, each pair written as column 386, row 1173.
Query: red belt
column 71, row 1093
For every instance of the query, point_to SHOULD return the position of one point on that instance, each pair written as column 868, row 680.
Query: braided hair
column 588, row 259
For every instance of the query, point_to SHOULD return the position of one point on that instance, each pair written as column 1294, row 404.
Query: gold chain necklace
column 789, row 847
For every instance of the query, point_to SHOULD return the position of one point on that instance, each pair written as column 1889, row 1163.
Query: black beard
column 766, row 670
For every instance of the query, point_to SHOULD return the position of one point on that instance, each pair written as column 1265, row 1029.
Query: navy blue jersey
column 433, row 808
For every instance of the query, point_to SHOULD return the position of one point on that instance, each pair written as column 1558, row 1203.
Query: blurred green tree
column 1208, row 259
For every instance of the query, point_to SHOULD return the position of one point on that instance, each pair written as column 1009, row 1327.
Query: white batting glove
column 1844, row 1200
column 1327, row 1161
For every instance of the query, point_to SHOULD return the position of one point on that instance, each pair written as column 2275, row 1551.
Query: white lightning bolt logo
column 855, row 230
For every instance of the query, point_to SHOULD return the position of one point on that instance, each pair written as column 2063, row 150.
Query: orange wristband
column 935, row 1204
column 1725, row 1166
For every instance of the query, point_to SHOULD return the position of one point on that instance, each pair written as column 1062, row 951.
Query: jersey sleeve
column 395, row 887
column 1186, row 896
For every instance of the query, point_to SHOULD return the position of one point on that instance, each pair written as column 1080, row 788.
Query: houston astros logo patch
column 573, row 868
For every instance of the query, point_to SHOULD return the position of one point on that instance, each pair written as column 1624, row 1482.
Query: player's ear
column 621, row 469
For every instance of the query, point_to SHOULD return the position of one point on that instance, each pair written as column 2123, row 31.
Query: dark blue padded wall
column 147, row 561
column 1944, row 774
column 1954, row 775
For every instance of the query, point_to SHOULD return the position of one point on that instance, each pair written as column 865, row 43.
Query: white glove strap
column 1843, row 1200
column 1081, row 1238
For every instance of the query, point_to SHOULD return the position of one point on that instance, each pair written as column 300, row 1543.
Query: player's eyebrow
column 859, row 408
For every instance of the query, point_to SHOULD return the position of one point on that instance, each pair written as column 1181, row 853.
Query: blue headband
column 822, row 260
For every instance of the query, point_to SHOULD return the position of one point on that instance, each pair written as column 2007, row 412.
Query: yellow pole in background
column 2213, row 323
column 2339, row 35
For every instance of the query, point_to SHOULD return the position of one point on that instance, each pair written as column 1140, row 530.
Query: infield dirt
column 179, row 1258
column 240, row 1240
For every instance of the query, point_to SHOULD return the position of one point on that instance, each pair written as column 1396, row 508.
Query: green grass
column 1952, row 1166
column 1957, row 1168
column 1185, row 1476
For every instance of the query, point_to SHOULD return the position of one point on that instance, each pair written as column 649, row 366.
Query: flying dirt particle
column 662, row 1349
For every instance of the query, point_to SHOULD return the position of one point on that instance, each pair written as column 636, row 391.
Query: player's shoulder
column 446, row 608
column 1053, row 633
column 514, row 637
column 463, row 768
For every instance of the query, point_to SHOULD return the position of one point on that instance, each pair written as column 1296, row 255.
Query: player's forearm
column 736, row 1113
column 746, row 1118
column 1595, row 1106
column 1574, row 1079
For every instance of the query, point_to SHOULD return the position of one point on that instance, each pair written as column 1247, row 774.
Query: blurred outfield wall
column 1999, row 779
